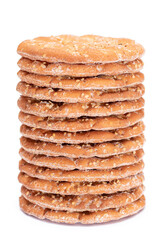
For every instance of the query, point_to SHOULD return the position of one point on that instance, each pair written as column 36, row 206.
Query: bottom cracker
column 84, row 217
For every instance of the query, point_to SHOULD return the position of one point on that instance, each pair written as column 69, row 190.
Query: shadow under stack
column 81, row 110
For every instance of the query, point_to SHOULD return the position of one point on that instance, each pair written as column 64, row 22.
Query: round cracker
column 80, row 175
column 74, row 96
column 82, row 137
column 82, row 163
column 79, row 70
column 81, row 188
column 84, row 217
column 85, row 150
column 82, row 203
column 83, row 123
column 75, row 110
column 87, row 83
column 80, row 49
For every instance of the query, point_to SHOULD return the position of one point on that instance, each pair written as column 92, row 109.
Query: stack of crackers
column 81, row 110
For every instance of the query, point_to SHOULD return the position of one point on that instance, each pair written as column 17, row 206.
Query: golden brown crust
column 82, row 163
column 84, row 217
column 80, row 175
column 75, row 110
column 82, row 203
column 82, row 96
column 82, row 124
column 79, row 70
column 97, row 83
column 82, row 137
column 81, row 188
column 85, row 150
column 80, row 49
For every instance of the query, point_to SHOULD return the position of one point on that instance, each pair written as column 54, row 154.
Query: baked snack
column 83, row 150
column 79, row 70
column 82, row 137
column 82, row 163
column 82, row 96
column 81, row 188
column 84, row 217
column 83, row 49
column 80, row 175
column 81, row 110
column 100, row 82
column 75, row 110
column 83, row 123
column 82, row 203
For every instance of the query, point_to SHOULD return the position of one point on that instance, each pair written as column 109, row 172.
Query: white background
column 20, row 20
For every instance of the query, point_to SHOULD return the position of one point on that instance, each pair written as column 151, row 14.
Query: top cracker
column 83, row 49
